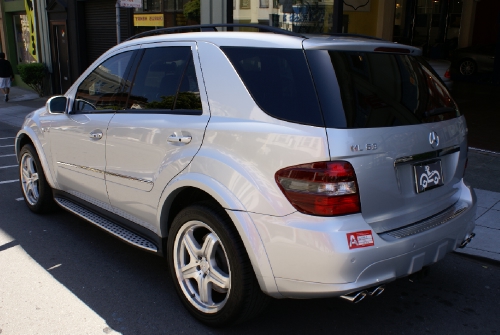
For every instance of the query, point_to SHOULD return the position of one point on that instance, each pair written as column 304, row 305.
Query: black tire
column 37, row 193
column 467, row 67
column 243, row 298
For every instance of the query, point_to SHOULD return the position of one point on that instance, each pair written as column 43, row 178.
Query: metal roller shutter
column 100, row 26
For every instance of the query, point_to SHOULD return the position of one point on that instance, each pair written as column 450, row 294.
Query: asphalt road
column 61, row 275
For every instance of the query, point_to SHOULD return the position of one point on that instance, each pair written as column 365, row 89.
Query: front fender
column 32, row 131
column 241, row 219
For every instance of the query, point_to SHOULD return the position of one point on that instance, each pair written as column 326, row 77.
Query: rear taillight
column 447, row 74
column 322, row 188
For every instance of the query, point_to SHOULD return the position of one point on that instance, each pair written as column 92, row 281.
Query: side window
column 106, row 87
column 279, row 81
column 166, row 80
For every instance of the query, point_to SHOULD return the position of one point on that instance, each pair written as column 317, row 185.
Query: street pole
column 117, row 21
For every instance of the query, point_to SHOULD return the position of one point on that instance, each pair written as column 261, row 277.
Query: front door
column 78, row 139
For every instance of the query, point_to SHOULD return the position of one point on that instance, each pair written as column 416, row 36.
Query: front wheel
column 210, row 267
column 36, row 191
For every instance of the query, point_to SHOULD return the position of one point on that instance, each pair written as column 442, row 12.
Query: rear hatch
column 389, row 115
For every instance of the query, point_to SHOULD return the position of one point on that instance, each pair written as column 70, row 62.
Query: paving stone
column 490, row 219
column 481, row 211
column 487, row 198
column 487, row 240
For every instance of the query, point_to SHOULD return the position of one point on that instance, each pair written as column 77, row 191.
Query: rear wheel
column 467, row 67
column 210, row 268
column 36, row 191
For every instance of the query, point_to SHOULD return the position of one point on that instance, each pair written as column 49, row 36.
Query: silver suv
column 259, row 164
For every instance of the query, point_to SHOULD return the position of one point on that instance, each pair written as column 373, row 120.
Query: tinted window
column 378, row 90
column 279, row 81
column 105, row 87
column 166, row 80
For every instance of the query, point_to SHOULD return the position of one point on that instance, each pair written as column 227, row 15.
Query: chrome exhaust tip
column 467, row 240
column 355, row 297
column 377, row 291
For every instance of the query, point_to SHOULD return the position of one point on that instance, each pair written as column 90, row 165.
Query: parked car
column 259, row 164
column 442, row 68
column 474, row 59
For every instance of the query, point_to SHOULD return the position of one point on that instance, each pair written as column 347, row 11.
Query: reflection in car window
column 279, row 81
column 166, row 80
column 105, row 87
column 385, row 90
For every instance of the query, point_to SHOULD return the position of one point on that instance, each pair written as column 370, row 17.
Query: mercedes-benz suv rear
column 259, row 164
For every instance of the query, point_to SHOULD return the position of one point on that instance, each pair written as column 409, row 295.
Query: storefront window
column 293, row 15
column 431, row 25
column 166, row 13
column 359, row 16
column 23, row 39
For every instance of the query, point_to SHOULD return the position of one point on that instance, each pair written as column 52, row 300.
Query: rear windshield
column 378, row 90
column 280, row 82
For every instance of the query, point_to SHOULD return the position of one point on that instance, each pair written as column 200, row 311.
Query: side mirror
column 57, row 104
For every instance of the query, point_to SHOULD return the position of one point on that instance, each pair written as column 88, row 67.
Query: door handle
column 96, row 135
column 179, row 139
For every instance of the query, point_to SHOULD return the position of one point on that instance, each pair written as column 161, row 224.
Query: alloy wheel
column 202, row 267
column 467, row 67
column 29, row 179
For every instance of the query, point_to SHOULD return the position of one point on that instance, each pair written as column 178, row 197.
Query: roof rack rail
column 213, row 27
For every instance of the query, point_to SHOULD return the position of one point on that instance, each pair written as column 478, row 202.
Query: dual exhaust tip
column 467, row 240
column 356, row 297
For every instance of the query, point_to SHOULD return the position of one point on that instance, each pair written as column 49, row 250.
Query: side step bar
column 109, row 226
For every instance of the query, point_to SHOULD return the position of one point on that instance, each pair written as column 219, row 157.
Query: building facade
column 68, row 35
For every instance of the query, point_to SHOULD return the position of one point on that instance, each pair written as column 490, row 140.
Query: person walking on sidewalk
column 6, row 75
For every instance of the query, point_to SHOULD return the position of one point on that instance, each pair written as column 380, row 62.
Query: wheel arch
column 27, row 136
column 191, row 188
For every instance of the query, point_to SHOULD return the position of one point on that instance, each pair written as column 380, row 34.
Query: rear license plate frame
column 428, row 175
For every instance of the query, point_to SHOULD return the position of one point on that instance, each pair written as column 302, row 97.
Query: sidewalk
column 21, row 102
column 483, row 173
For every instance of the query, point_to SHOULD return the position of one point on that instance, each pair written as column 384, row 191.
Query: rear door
column 158, row 133
column 395, row 122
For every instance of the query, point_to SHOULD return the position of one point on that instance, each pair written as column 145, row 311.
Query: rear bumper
column 310, row 256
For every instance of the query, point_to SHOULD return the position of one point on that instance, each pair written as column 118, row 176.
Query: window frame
column 131, row 66
column 197, row 66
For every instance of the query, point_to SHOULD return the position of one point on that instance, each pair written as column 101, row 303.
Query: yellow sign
column 31, row 43
column 148, row 20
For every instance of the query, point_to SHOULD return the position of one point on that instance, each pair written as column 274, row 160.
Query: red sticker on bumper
column 360, row 239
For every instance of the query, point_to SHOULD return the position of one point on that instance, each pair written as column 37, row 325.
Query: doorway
column 60, row 55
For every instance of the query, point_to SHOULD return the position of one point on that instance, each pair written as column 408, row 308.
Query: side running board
column 109, row 226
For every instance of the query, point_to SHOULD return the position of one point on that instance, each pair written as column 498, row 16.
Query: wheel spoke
column 25, row 172
column 34, row 191
column 192, row 246
column 31, row 165
column 190, row 271
column 34, row 177
column 29, row 187
column 209, row 246
column 205, row 290
column 218, row 278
